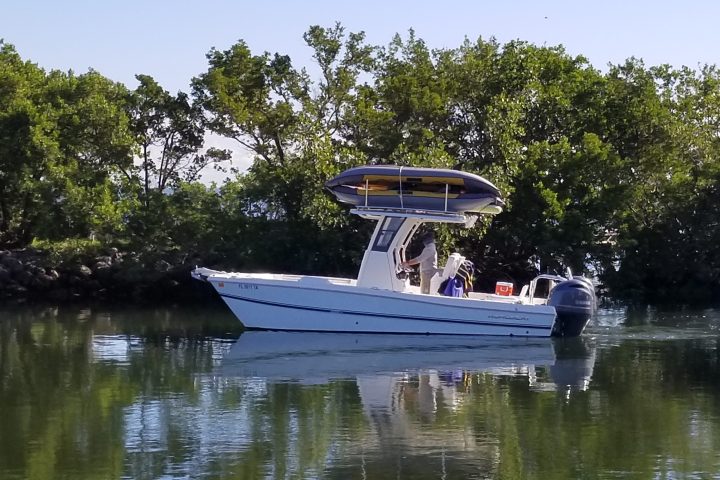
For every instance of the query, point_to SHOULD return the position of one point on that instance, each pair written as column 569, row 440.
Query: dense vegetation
column 613, row 171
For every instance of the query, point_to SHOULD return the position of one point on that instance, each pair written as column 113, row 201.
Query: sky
column 169, row 39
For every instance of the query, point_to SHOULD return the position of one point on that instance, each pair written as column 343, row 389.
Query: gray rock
column 24, row 278
column 162, row 266
column 101, row 265
column 83, row 271
column 5, row 275
column 169, row 284
column 104, row 259
column 35, row 270
column 12, row 264
column 15, row 290
column 43, row 281
column 103, row 271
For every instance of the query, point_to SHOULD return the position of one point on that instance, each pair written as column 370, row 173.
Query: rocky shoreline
column 31, row 274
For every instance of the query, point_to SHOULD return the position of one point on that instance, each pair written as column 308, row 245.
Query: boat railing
column 552, row 279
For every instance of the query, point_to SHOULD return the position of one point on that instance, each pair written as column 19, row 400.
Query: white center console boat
column 381, row 299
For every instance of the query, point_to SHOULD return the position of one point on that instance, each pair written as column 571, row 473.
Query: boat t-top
column 382, row 299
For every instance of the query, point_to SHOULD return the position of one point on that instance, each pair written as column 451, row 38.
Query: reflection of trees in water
column 416, row 432
column 342, row 429
column 495, row 426
column 52, row 400
column 62, row 407
column 657, row 395
column 108, row 395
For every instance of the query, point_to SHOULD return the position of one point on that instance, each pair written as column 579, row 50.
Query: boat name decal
column 247, row 286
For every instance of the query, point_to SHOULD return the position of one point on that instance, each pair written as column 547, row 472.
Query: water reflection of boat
column 318, row 357
column 302, row 356
column 404, row 385
column 573, row 366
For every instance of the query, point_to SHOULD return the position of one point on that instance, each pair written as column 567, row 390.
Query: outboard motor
column 590, row 285
column 574, row 302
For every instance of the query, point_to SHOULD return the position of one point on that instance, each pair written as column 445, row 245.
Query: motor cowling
column 590, row 286
column 574, row 302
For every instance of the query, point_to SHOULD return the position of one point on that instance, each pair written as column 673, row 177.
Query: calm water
column 145, row 394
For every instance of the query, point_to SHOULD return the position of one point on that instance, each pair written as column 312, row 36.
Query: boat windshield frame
column 389, row 228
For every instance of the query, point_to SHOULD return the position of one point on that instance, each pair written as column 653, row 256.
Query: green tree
column 170, row 133
column 64, row 139
column 26, row 141
column 293, row 127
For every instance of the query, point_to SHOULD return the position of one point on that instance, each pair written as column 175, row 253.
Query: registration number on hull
column 241, row 286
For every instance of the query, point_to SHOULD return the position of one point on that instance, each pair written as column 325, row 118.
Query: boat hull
column 315, row 304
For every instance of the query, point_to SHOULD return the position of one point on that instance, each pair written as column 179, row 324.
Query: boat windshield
column 388, row 230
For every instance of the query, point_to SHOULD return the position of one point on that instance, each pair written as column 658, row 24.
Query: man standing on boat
column 427, row 261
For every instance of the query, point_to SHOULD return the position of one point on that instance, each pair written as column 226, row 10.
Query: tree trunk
column 4, row 216
column 147, row 177
column 26, row 230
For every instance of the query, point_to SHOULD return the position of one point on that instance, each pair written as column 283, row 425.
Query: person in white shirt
column 427, row 261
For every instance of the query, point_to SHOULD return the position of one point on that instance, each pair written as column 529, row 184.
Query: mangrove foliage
column 610, row 171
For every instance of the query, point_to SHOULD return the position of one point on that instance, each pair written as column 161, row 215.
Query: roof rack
column 374, row 213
